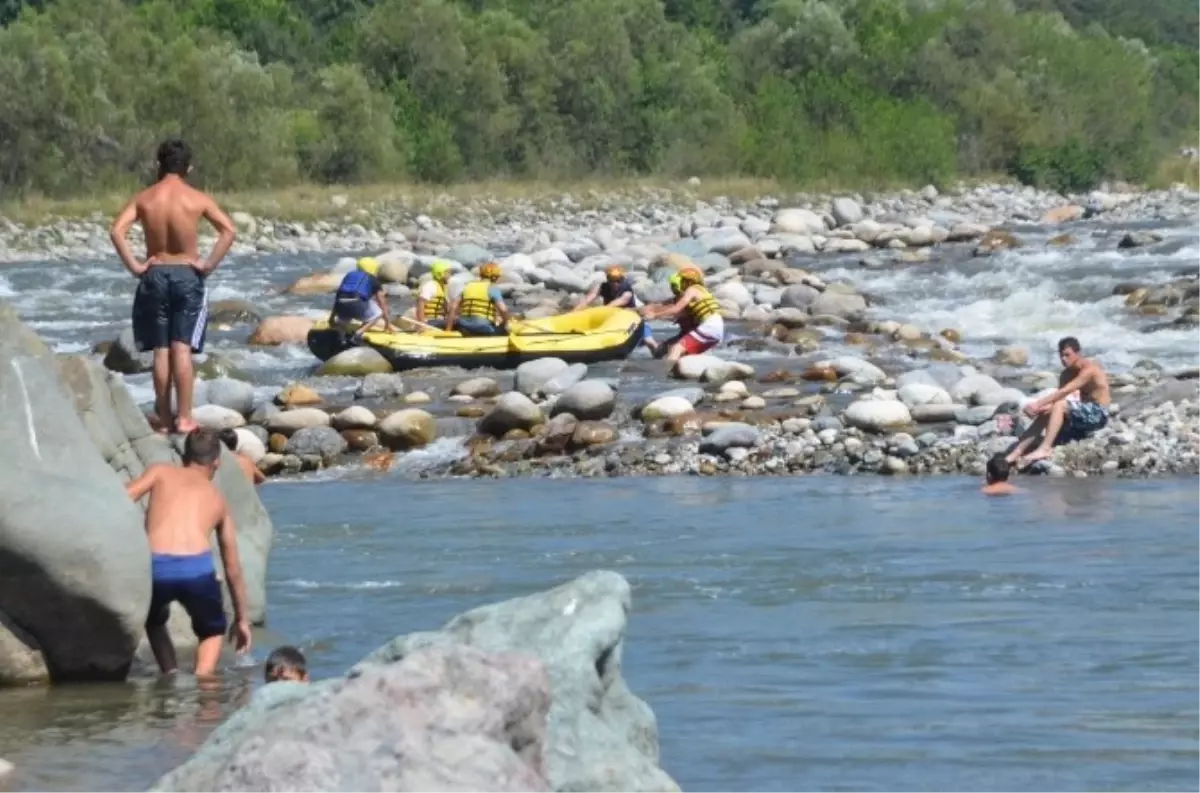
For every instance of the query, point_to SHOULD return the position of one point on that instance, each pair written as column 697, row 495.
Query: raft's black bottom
column 327, row 343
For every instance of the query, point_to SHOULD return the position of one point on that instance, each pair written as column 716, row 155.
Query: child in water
column 286, row 663
column 997, row 484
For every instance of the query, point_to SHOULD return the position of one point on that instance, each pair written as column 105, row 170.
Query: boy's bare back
column 170, row 212
column 185, row 507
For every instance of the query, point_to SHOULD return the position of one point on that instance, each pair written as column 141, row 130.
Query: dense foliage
column 271, row 92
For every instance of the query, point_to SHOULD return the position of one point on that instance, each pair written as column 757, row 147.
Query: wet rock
column 974, row 416
column 274, row 331
column 448, row 717
column 233, row 394
column 228, row 313
column 969, row 387
column 289, row 421
column 215, row 417
column 839, row 304
column 876, row 415
column 355, row 417
column 250, row 445
column 933, row 413
column 355, row 362
column 1139, row 239
column 856, row 369
column 263, row 412
column 360, row 440
column 477, row 388
column 380, row 386
column 588, row 400
column 563, row 380
column 593, row 433
column 599, row 735
column 667, row 407
column 417, row 398
column 315, row 284
column 406, row 429
column 532, row 376
column 296, row 394
column 123, row 356
column 719, row 370
column 730, row 435
column 915, row 394
column 995, row 241
column 323, row 442
column 512, row 411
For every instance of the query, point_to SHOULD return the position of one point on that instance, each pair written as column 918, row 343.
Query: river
column 815, row 632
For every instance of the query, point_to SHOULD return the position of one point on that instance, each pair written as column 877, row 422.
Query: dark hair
column 1068, row 343
column 283, row 659
column 230, row 439
column 202, row 447
column 997, row 468
column 174, row 156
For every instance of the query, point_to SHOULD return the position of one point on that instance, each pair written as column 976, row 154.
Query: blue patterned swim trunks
column 1083, row 418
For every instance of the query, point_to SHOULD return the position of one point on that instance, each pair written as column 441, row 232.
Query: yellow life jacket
column 476, row 303
column 435, row 307
column 703, row 307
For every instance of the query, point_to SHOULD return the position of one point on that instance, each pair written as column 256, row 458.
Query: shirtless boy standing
column 1057, row 414
column 169, row 311
column 185, row 506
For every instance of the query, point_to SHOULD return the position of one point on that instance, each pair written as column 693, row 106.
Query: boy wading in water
column 169, row 311
column 185, row 506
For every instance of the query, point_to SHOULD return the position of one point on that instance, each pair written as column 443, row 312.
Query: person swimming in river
column 185, row 506
column 996, row 477
column 286, row 663
column 1072, row 412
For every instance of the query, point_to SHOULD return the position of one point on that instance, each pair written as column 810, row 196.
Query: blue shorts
column 170, row 306
column 1083, row 418
column 647, row 331
column 192, row 582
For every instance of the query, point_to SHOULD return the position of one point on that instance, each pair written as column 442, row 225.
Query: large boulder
column 968, row 388
column 274, row 331
column 797, row 221
column 123, row 355
column 599, row 735
column 587, row 400
column 236, row 395
column 215, row 417
column 119, row 430
column 512, row 411
column 442, row 718
column 877, row 415
column 563, row 380
column 856, row 369
column 733, row 434
column 324, row 442
column 914, row 394
column 838, row 304
column 666, row 407
column 710, row 369
column 74, row 564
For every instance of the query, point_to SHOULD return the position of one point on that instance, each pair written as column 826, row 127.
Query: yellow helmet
column 614, row 273
column 676, row 282
column 368, row 265
column 490, row 271
column 439, row 269
column 690, row 275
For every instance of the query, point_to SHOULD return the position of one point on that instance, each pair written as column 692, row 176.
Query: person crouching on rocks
column 360, row 299
column 616, row 290
column 701, row 322
column 184, row 508
column 286, row 663
column 480, row 309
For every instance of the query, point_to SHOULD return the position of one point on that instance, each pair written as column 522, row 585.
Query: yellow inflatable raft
column 587, row 336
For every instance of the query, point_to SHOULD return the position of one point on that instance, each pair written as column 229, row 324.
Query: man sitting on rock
column 480, row 309
column 700, row 319
column 184, row 508
column 431, row 299
column 1063, row 416
column 360, row 299
column 617, row 290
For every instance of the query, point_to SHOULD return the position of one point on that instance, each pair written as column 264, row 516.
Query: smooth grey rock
column 838, row 304
column 355, row 417
column 563, row 380
column 974, row 416
column 74, row 564
column 599, row 735
column 801, row 296
column 587, row 400
column 469, row 254
column 846, row 211
column 512, row 411
column 230, row 393
column 822, row 423
column 876, row 415
column 217, row 418
column 477, row 387
column 942, row 375
column 531, row 376
column 935, row 413
column 442, row 718
column 296, row 419
column 734, row 434
column 324, row 442
column 264, row 412
column 966, row 389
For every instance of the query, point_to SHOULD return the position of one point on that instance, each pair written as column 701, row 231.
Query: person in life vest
column 432, row 301
column 479, row 310
column 360, row 299
column 701, row 325
column 617, row 290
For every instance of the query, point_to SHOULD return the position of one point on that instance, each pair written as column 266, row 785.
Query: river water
column 798, row 633
column 806, row 633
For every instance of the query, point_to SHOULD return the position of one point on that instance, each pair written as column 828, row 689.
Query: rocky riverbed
column 851, row 349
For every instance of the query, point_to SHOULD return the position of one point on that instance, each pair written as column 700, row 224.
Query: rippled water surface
column 802, row 633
